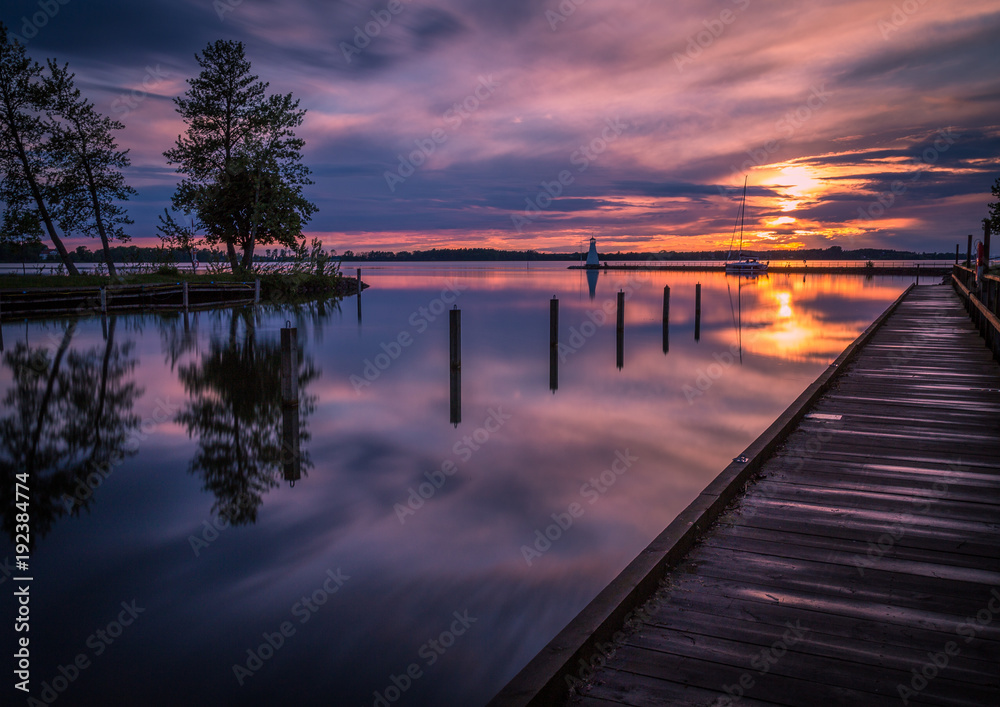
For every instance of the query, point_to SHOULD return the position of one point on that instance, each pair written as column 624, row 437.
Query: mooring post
column 455, row 351
column 359, row 282
column 553, row 344
column 968, row 253
column 104, row 301
column 256, row 291
column 620, row 338
column 697, row 312
column 666, row 318
column 185, row 293
column 289, row 365
column 956, row 254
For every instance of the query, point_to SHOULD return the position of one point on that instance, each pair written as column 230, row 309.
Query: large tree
column 26, row 168
column 241, row 158
column 89, row 184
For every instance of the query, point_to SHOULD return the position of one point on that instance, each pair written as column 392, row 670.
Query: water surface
column 407, row 561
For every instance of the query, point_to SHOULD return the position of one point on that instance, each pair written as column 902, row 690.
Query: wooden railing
column 181, row 296
column 982, row 301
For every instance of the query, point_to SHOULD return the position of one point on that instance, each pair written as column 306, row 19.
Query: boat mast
column 743, row 211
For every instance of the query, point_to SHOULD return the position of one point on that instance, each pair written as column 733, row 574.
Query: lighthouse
column 592, row 261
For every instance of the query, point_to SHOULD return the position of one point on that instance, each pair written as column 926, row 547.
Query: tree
column 25, row 165
column 241, row 157
column 994, row 207
column 88, row 178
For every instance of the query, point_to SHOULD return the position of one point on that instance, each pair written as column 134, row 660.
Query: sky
column 538, row 123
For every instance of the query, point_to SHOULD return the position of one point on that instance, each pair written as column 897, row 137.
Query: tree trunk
column 40, row 203
column 231, row 252
column 97, row 214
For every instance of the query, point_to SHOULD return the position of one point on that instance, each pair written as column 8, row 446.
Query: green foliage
column 242, row 161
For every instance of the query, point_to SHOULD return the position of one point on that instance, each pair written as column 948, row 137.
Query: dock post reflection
column 666, row 318
column 184, row 296
column 621, row 330
column 455, row 350
column 359, row 296
column 290, row 460
column 554, row 344
column 697, row 312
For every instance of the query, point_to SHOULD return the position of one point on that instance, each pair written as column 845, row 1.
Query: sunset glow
column 853, row 125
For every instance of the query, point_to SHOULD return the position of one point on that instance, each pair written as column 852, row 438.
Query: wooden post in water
column 104, row 301
column 359, row 296
column 455, row 356
column 968, row 253
column 553, row 344
column 289, row 371
column 256, row 291
column 956, row 254
column 697, row 312
column 621, row 330
column 185, row 295
column 666, row 318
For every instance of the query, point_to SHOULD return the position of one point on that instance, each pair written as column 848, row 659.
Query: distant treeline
column 32, row 253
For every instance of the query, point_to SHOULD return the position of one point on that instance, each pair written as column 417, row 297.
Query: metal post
column 289, row 365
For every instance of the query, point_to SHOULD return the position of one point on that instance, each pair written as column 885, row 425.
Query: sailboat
column 743, row 265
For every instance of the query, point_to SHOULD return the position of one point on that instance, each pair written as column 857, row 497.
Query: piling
column 104, row 300
column 455, row 356
column 697, row 312
column 185, row 293
column 956, row 254
column 968, row 253
column 620, row 339
column 256, row 291
column 553, row 344
column 666, row 318
column 289, row 365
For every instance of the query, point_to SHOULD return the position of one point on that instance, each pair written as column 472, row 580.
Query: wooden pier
column 853, row 559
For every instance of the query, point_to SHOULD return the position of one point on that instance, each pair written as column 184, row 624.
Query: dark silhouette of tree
column 235, row 412
column 67, row 423
column 26, row 168
column 89, row 183
column 242, row 161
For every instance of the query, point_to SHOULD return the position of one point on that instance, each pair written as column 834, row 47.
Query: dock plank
column 878, row 531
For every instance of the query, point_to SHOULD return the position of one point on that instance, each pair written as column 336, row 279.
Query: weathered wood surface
column 868, row 549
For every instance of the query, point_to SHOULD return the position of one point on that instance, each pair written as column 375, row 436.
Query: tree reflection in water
column 235, row 413
column 67, row 422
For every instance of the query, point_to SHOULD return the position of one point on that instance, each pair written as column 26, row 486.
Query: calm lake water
column 405, row 565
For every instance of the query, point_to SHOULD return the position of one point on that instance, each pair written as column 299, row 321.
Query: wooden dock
column 853, row 560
